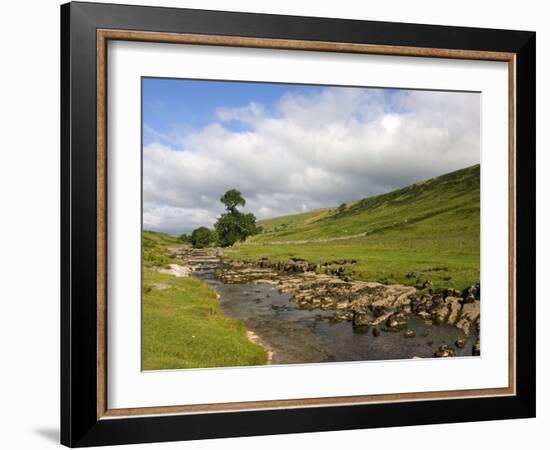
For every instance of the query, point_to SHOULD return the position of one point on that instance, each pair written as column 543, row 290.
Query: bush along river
column 301, row 316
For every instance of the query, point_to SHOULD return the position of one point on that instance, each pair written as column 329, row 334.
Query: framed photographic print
column 277, row 224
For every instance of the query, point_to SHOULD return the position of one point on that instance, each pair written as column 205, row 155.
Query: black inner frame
column 79, row 423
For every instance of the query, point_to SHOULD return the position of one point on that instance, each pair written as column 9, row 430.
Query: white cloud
column 246, row 114
column 336, row 146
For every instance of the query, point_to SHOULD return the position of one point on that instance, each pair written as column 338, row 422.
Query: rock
column 381, row 319
column 342, row 305
column 176, row 270
column 454, row 309
column 361, row 319
column 378, row 310
column 397, row 321
column 409, row 334
column 439, row 313
column 413, row 275
column 473, row 291
column 342, row 315
column 444, row 351
column 476, row 348
column 424, row 315
column 375, row 332
column 469, row 314
column 460, row 343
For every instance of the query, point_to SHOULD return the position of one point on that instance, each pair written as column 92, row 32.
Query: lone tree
column 233, row 225
column 202, row 237
column 231, row 199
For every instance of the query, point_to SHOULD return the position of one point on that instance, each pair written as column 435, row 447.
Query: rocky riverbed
column 369, row 307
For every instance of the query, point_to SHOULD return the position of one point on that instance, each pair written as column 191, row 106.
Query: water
column 296, row 335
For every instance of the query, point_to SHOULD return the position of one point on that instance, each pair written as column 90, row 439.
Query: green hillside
column 294, row 221
column 154, row 245
column 430, row 227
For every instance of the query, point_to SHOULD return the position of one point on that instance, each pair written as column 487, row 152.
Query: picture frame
column 86, row 418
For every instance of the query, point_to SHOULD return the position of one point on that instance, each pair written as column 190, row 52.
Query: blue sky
column 292, row 148
column 169, row 104
column 175, row 105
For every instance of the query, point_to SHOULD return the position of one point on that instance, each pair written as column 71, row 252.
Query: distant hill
column 443, row 202
column 430, row 228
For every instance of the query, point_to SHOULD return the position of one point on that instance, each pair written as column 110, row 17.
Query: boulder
column 424, row 315
column 476, row 348
column 397, row 321
column 469, row 314
column 342, row 315
column 454, row 309
column 444, row 351
column 439, row 313
column 361, row 319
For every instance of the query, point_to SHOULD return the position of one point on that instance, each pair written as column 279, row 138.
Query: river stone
column 440, row 313
column 361, row 319
column 454, row 307
column 424, row 315
column 469, row 314
column 476, row 348
column 342, row 315
column 397, row 321
column 409, row 334
column 176, row 270
column 381, row 319
column 444, row 351
column 460, row 343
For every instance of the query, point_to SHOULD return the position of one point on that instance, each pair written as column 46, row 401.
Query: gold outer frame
column 104, row 35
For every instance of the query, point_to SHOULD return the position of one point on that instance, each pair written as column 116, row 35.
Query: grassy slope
column 431, row 224
column 154, row 248
column 291, row 222
column 183, row 326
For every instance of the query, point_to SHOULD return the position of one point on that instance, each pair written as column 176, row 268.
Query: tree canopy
column 202, row 237
column 233, row 225
column 231, row 199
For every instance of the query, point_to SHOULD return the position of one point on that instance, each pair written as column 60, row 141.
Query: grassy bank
column 431, row 227
column 183, row 326
column 155, row 247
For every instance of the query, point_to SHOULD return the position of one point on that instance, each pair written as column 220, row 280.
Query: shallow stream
column 297, row 335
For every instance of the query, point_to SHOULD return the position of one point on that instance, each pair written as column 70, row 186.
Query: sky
column 292, row 148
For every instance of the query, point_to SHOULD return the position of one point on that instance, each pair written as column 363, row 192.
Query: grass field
column 154, row 248
column 183, row 326
column 431, row 227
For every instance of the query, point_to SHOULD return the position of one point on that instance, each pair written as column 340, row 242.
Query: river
column 297, row 335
